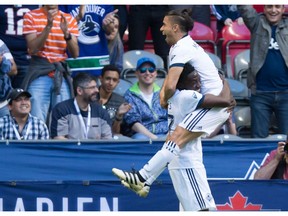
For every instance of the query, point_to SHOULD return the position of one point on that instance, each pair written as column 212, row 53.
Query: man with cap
column 20, row 124
column 146, row 119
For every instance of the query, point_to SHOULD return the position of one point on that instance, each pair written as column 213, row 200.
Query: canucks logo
column 89, row 31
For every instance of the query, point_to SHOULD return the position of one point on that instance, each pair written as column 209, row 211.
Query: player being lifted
column 176, row 25
column 187, row 171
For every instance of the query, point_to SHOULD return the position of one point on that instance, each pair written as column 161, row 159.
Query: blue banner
column 76, row 176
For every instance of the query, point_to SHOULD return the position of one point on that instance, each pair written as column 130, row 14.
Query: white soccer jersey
column 187, row 170
column 181, row 112
column 187, row 50
column 179, row 105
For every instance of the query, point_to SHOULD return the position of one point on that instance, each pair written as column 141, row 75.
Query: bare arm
column 169, row 85
column 267, row 171
column 108, row 22
column 123, row 108
column 72, row 44
column 13, row 70
column 35, row 43
column 60, row 138
column 224, row 99
column 81, row 13
column 139, row 128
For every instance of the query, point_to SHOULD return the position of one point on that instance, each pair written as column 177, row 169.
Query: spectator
column 19, row 124
column 140, row 18
column 7, row 68
column 267, row 76
column 123, row 18
column 115, row 45
column 226, row 15
column 97, row 21
column 275, row 165
column 11, row 25
column 81, row 117
column 146, row 118
column 111, row 101
column 49, row 32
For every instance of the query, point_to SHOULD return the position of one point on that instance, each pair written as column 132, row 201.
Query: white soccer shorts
column 205, row 120
column 192, row 189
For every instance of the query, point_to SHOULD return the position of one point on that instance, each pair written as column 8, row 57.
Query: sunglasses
column 144, row 69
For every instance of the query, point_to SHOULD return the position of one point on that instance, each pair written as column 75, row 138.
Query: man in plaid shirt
column 19, row 124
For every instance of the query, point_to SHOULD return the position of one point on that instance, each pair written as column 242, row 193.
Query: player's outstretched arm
column 224, row 99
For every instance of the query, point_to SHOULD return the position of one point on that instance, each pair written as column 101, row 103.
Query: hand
column 240, row 21
column 51, row 14
column 64, row 26
column 228, row 22
column 123, row 108
column 163, row 104
column 280, row 151
column 108, row 22
column 153, row 137
column 81, row 13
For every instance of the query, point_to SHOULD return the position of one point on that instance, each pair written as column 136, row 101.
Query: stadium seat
column 241, row 64
column 238, row 89
column 204, row 36
column 243, row 120
column 213, row 24
column 280, row 137
column 148, row 45
column 223, row 137
column 236, row 39
column 122, row 87
column 130, row 59
column 240, row 92
column 217, row 62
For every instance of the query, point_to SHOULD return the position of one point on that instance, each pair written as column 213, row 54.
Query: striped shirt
column 34, row 129
column 55, row 45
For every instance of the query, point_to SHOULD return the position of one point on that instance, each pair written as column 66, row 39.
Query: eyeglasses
column 144, row 69
column 89, row 87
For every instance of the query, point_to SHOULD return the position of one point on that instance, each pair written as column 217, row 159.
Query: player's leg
column 201, row 120
column 147, row 175
column 192, row 189
column 142, row 192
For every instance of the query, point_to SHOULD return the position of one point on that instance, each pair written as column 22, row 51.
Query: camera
column 286, row 146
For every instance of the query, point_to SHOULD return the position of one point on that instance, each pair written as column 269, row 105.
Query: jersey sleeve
column 188, row 100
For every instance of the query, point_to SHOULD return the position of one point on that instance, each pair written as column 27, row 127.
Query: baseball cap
column 143, row 60
column 15, row 93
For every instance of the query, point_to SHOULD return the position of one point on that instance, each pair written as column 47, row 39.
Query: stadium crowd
column 45, row 47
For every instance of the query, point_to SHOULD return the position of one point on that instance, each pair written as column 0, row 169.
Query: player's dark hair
column 182, row 17
column 187, row 69
column 110, row 68
column 82, row 80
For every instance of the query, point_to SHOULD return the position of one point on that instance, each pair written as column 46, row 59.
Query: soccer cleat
column 130, row 177
column 142, row 193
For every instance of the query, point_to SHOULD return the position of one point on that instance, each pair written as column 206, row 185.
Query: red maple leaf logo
column 238, row 203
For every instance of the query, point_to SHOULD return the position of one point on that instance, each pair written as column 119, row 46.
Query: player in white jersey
column 176, row 25
column 187, row 170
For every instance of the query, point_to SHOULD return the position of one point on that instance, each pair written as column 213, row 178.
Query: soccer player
column 201, row 122
column 187, row 171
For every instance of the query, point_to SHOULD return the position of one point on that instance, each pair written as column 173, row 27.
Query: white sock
column 159, row 161
column 152, row 178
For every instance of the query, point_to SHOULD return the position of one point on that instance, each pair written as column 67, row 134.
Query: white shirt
column 179, row 105
column 187, row 50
